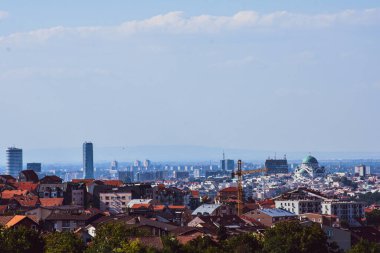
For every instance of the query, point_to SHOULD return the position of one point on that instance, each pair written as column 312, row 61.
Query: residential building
column 115, row 200
column 349, row 211
column 268, row 217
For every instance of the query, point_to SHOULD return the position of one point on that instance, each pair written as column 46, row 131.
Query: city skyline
column 242, row 75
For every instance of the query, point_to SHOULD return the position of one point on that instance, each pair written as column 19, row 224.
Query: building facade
column 348, row 211
column 309, row 168
column 88, row 160
column 276, row 166
column 115, row 200
column 14, row 161
column 34, row 166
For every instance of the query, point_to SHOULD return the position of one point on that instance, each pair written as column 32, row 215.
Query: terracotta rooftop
column 195, row 194
column 85, row 181
column 15, row 219
column 8, row 194
column 158, row 207
column 51, row 202
column 137, row 206
column 176, row 207
column 116, row 183
column 229, row 189
column 28, row 186
column 27, row 201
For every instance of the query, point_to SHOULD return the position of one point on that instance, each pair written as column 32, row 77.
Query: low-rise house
column 214, row 210
column 75, row 194
column 49, row 202
column 23, row 202
column 15, row 221
column 7, row 179
column 70, row 221
column 268, row 217
column 28, row 176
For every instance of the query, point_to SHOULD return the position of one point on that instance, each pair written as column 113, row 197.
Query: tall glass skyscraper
column 14, row 161
column 88, row 160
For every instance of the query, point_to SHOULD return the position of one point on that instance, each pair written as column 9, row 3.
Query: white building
column 114, row 200
column 309, row 169
column 344, row 210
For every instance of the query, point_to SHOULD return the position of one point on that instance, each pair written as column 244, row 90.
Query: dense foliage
column 63, row 242
column 370, row 198
column 20, row 240
column 365, row 247
column 285, row 237
column 373, row 218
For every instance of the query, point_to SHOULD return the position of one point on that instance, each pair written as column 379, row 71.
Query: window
column 107, row 197
column 123, row 197
column 66, row 223
column 107, row 203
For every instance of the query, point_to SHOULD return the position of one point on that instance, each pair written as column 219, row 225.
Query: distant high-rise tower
column 34, row 166
column 14, row 161
column 88, row 160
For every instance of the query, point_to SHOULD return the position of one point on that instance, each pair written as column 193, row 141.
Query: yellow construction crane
column 240, row 173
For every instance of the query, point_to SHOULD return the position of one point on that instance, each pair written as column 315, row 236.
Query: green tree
column 202, row 244
column 373, row 218
column 171, row 244
column 63, row 242
column 111, row 236
column 244, row 243
column 222, row 233
column 364, row 246
column 292, row 237
column 20, row 240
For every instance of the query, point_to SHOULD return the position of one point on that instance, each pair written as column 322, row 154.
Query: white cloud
column 178, row 23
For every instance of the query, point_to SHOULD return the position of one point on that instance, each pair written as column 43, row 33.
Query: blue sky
column 262, row 75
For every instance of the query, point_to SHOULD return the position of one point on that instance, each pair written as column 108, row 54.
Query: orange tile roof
column 136, row 206
column 229, row 189
column 159, row 207
column 16, row 219
column 3, row 208
column 8, row 194
column 195, row 194
column 116, row 183
column 85, row 181
column 28, row 186
column 27, row 201
column 51, row 202
column 176, row 207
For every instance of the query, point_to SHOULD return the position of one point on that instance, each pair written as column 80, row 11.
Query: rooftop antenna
column 224, row 157
column 275, row 155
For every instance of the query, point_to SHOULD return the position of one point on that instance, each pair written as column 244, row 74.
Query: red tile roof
column 27, row 201
column 158, row 207
column 85, row 181
column 3, row 208
column 137, row 206
column 45, row 202
column 176, row 207
column 195, row 194
column 229, row 189
column 8, row 194
column 116, row 183
column 29, row 186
